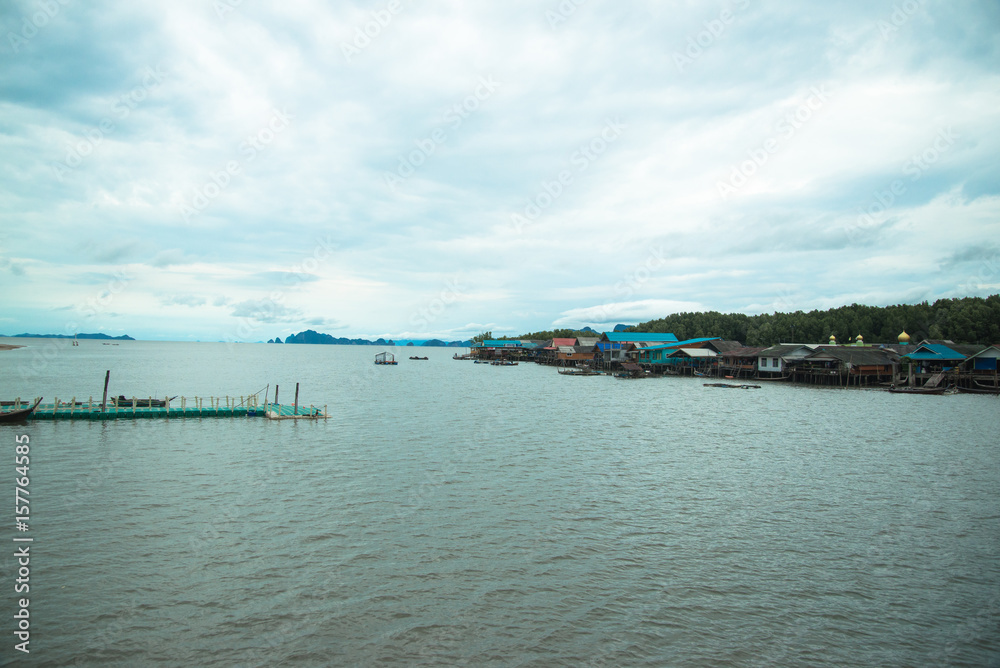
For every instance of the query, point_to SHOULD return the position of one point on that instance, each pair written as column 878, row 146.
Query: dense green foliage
column 556, row 334
column 966, row 320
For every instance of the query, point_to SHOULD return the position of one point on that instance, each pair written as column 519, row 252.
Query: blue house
column 612, row 345
column 664, row 353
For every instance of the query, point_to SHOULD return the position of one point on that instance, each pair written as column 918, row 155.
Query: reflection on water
column 451, row 513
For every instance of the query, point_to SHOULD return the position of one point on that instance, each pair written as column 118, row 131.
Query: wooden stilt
column 296, row 409
column 104, row 402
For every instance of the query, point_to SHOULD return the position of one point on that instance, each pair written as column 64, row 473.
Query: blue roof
column 934, row 351
column 497, row 343
column 686, row 342
column 631, row 337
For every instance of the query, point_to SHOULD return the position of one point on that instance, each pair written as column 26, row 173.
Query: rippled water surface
column 458, row 514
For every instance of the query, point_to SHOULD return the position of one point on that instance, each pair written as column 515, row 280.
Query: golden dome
column 904, row 337
column 833, row 340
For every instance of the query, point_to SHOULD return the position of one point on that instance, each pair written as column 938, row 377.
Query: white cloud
column 117, row 116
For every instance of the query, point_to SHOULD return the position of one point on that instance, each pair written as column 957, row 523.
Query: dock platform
column 200, row 407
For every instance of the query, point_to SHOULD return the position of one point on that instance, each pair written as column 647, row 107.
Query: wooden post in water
column 104, row 402
column 276, row 397
column 296, row 399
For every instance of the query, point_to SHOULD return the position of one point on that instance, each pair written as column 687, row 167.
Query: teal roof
column 497, row 343
column 935, row 352
column 632, row 337
column 681, row 344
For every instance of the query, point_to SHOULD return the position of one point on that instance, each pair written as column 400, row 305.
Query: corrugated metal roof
column 631, row 337
column 681, row 344
column 495, row 343
column 722, row 345
column 563, row 342
column 785, row 349
column 747, row 351
column 694, row 352
column 589, row 341
column 857, row 356
column 935, row 351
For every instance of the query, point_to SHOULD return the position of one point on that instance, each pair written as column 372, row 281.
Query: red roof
column 563, row 342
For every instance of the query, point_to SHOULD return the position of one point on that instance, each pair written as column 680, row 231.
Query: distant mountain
column 123, row 337
column 622, row 328
column 274, row 340
column 312, row 336
column 590, row 330
column 447, row 344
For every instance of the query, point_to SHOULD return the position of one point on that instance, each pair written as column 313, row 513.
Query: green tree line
column 964, row 320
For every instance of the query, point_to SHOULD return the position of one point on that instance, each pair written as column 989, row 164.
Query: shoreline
column 7, row 346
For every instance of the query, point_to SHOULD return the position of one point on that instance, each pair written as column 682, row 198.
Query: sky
column 239, row 170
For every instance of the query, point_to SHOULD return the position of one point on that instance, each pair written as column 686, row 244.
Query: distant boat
column 579, row 372
column 917, row 390
column 386, row 359
column 979, row 390
column 418, row 358
column 122, row 402
column 18, row 414
column 731, row 385
column 503, row 363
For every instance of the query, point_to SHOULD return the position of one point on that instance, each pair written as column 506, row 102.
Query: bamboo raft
column 181, row 407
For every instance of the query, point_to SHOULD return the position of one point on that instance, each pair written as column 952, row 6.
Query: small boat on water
column 503, row 363
column 122, row 402
column 386, row 359
column 979, row 390
column 579, row 372
column 732, row 385
column 17, row 414
column 418, row 358
column 917, row 390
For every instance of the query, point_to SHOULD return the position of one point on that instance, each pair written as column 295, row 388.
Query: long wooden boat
column 978, row 390
column 122, row 402
column 917, row 390
column 732, row 385
column 579, row 372
column 19, row 414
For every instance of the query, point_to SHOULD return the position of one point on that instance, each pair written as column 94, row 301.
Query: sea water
column 449, row 513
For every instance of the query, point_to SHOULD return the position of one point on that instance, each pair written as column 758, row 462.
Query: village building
column 846, row 365
column 776, row 361
column 739, row 362
column 612, row 346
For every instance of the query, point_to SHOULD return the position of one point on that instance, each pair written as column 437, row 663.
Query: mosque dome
column 904, row 338
column 833, row 340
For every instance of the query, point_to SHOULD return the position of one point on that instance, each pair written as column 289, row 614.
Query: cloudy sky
column 237, row 170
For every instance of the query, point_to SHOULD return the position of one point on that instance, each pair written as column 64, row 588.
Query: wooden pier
column 181, row 407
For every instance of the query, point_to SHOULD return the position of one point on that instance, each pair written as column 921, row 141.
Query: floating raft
column 206, row 407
